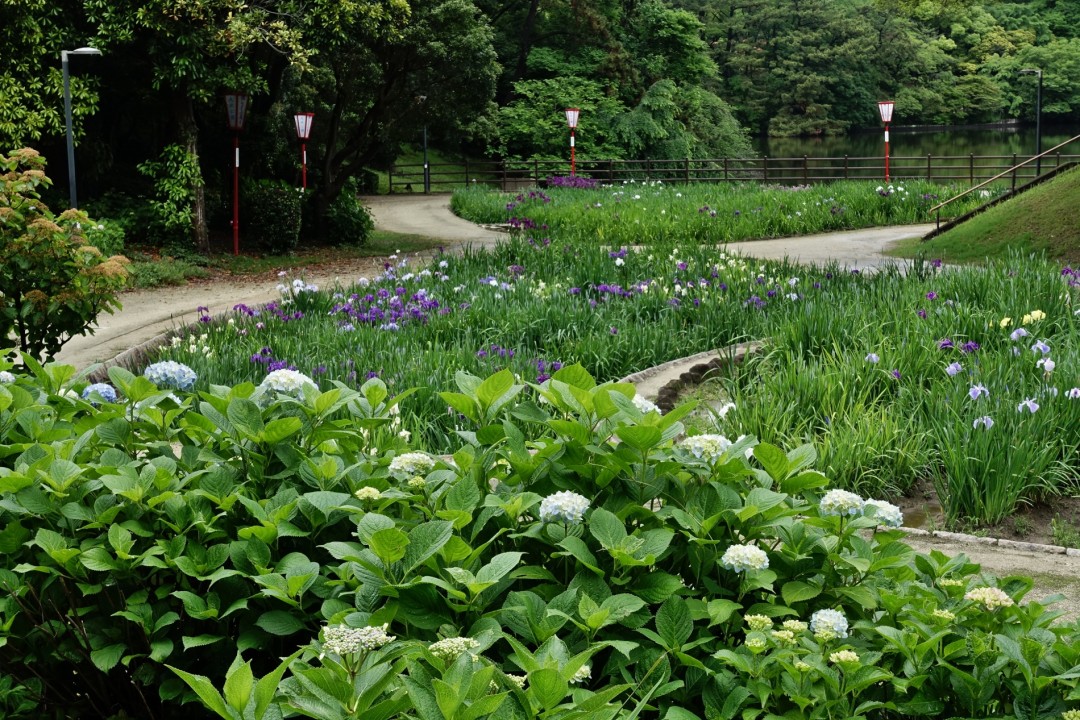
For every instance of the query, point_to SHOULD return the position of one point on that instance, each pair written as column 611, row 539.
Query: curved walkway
column 148, row 313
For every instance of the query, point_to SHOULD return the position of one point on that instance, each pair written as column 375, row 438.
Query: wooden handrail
column 937, row 208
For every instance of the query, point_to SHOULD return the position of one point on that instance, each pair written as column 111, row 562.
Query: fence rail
column 512, row 175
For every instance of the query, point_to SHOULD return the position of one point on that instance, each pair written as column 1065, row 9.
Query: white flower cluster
column 743, row 558
column 171, row 374
column 450, row 648
column 709, row 447
column 6, row 378
column 344, row 640
column 795, row 626
column 580, row 675
column 991, row 597
column 783, row 637
column 829, row 624
column 412, row 463
column 885, row 512
column 841, row 502
column 196, row 344
column 645, row 405
column 518, row 680
column 564, row 507
column 286, row 382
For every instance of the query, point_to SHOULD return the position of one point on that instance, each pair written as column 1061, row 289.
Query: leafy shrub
column 174, row 175
column 53, row 282
column 347, row 221
column 605, row 569
column 270, row 214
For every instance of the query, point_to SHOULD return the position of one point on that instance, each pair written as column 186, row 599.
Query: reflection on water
column 919, row 143
column 925, row 515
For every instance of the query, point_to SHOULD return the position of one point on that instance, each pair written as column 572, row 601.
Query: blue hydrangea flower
column 171, row 374
column 104, row 390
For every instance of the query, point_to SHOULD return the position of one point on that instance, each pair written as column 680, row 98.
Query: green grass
column 1041, row 220
column 150, row 271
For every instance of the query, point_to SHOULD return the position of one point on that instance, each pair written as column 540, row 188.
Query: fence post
column 928, row 172
column 390, row 181
column 536, row 171
column 765, row 167
column 686, row 172
column 725, row 169
column 1057, row 159
column 1014, row 172
column 611, row 171
column 466, row 172
column 971, row 167
column 805, row 172
column 503, row 183
column 846, row 176
column 648, row 168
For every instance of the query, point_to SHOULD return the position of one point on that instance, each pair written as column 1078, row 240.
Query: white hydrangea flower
column 829, row 624
column 449, row 648
column 885, row 513
column 564, row 507
column 991, row 597
column 411, row 463
column 708, row 447
column 840, row 502
column 6, row 378
column 344, row 640
column 582, row 674
column 743, row 558
column 795, row 626
column 645, row 405
column 286, row 382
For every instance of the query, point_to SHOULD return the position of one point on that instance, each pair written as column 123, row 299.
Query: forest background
column 490, row 78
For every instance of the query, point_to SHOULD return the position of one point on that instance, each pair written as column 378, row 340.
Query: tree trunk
column 188, row 133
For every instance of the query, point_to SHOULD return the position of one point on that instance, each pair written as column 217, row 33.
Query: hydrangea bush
column 216, row 556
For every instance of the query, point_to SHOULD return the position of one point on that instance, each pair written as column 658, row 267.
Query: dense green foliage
column 348, row 222
column 603, row 569
column 271, row 215
column 54, row 280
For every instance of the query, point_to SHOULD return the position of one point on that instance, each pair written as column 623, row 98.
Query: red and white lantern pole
column 885, row 107
column 571, row 122
column 303, row 132
column 236, row 106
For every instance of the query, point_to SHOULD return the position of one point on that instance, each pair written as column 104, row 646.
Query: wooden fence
column 515, row 175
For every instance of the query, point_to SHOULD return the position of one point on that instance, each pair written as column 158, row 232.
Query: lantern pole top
column 885, row 107
column 572, row 117
column 236, row 106
column 303, row 121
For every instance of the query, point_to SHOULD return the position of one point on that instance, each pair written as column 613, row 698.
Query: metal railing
column 513, row 175
column 1013, row 171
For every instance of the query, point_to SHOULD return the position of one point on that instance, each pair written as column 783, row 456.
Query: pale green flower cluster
column 743, row 558
column 344, row 640
column 755, row 643
column 449, row 648
column 802, row 666
column 367, row 494
column 784, row 637
column 411, row 463
column 950, row 582
column 1070, row 715
column 757, row 623
column 844, row 657
column 417, row 484
column 518, row 680
column 991, row 597
column 795, row 626
column 944, row 615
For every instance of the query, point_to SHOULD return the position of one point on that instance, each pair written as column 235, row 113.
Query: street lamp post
column 421, row 100
column 67, row 117
column 303, row 132
column 1038, row 117
column 571, row 122
column 236, row 106
column 885, row 107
